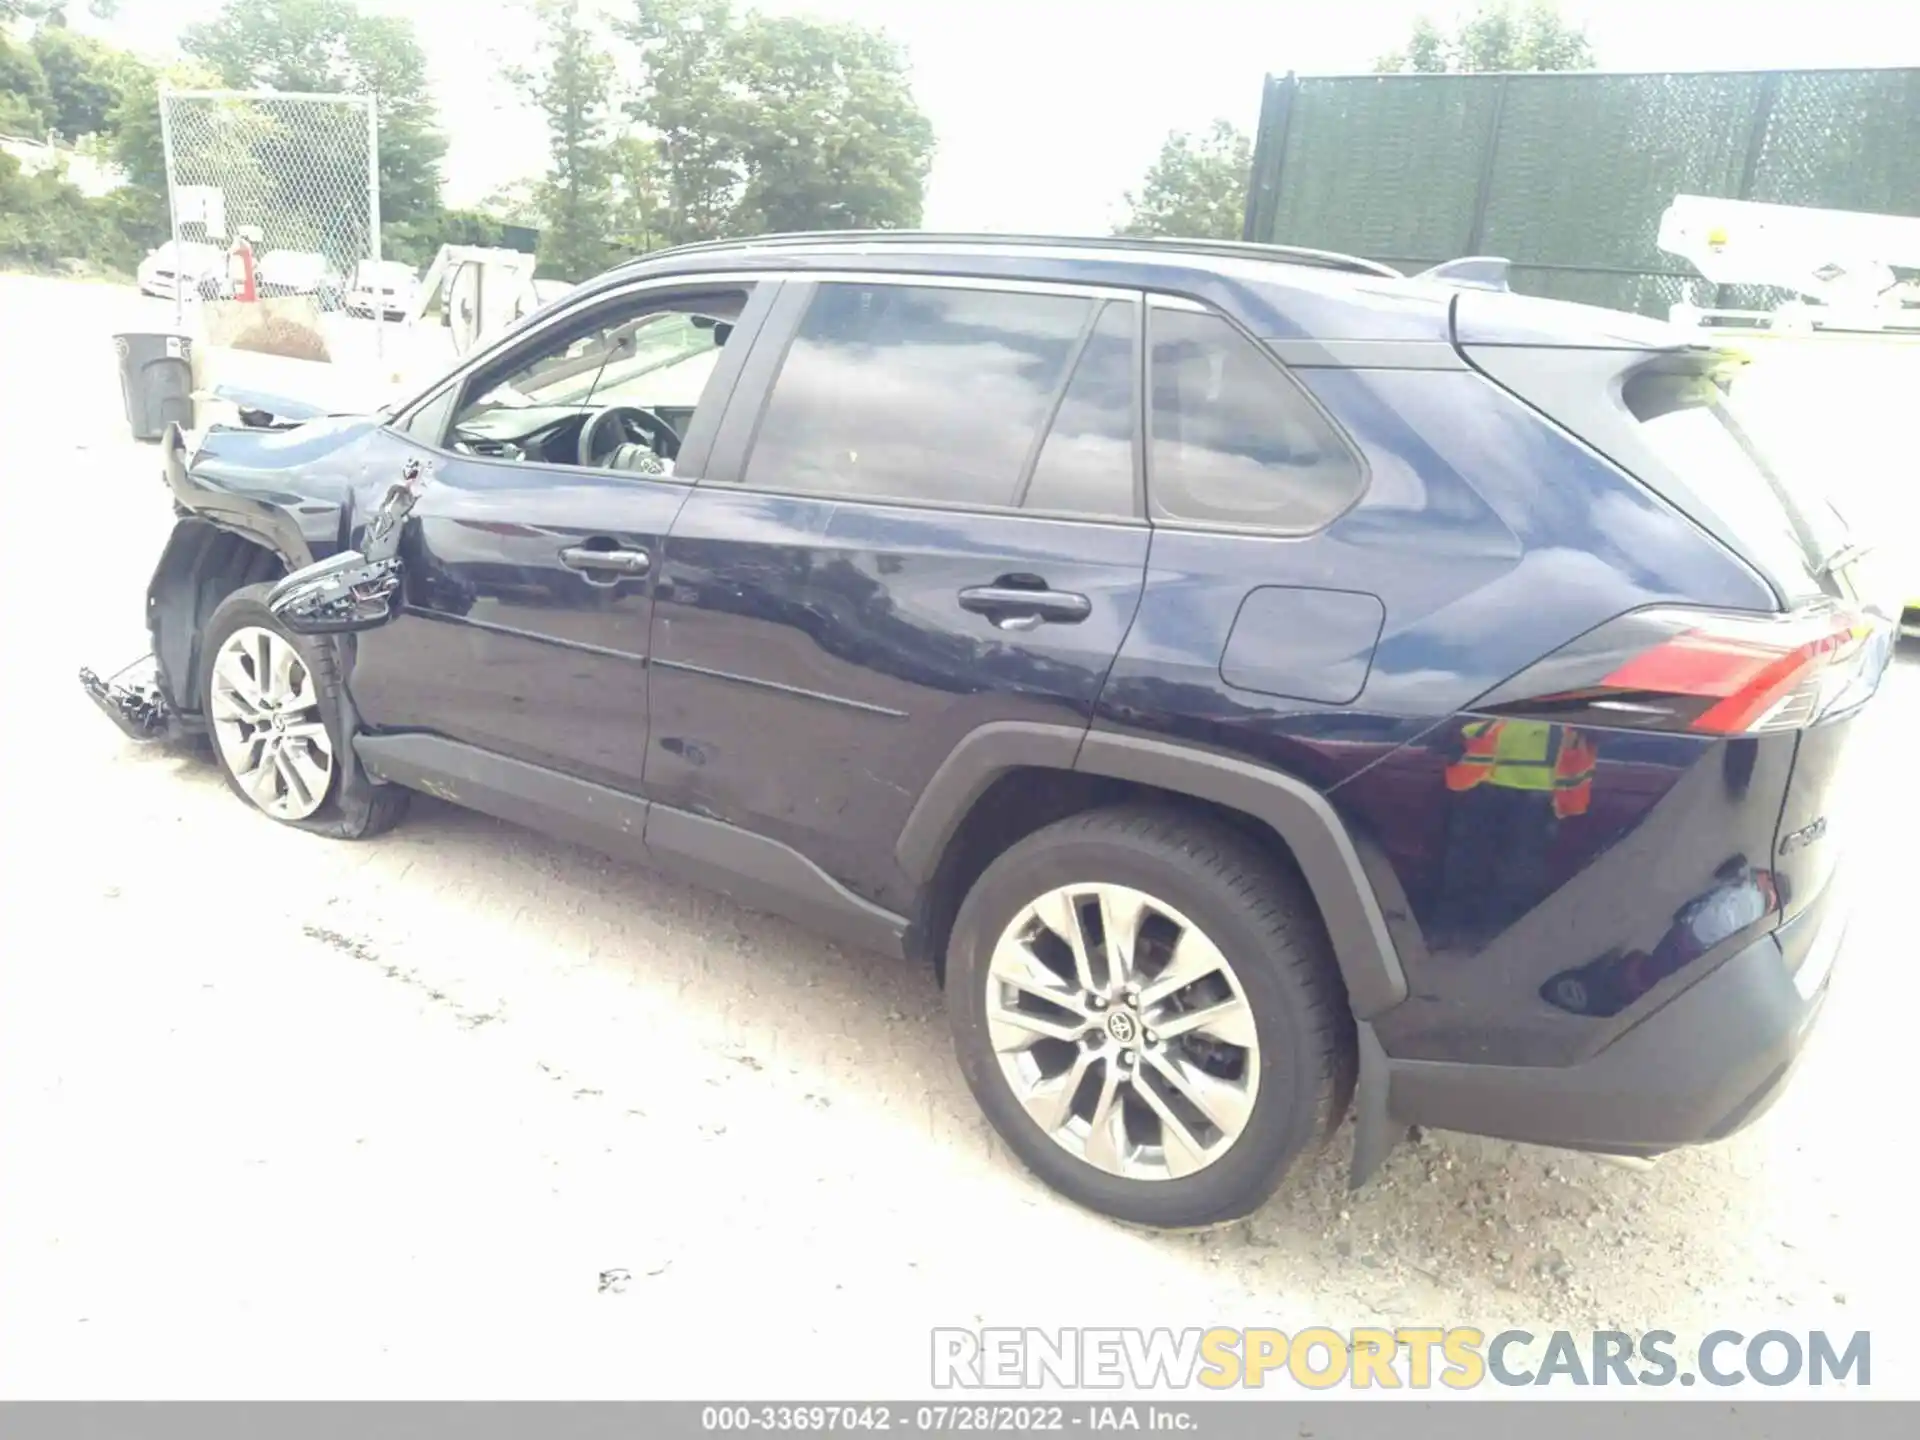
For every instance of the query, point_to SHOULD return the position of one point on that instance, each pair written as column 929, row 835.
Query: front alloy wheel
column 1123, row 1031
column 266, row 721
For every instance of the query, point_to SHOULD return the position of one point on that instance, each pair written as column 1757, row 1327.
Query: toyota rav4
column 1260, row 684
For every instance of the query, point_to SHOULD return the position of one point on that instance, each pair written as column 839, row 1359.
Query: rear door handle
column 604, row 567
column 1012, row 607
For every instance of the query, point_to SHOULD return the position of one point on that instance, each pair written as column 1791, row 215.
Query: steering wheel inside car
column 601, row 438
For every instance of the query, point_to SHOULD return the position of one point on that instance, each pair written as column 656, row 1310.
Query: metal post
column 173, row 212
column 1249, row 222
column 1269, row 154
column 373, row 214
column 1477, row 232
column 1763, row 104
column 1757, row 136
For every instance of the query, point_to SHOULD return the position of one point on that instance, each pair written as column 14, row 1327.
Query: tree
column 417, row 241
column 1500, row 35
column 1196, row 189
column 54, row 12
column 572, row 89
column 638, row 192
column 135, row 122
column 733, row 123
column 765, row 122
column 329, row 45
column 86, row 90
column 515, row 204
column 23, row 90
column 84, row 80
column 689, row 101
column 833, row 139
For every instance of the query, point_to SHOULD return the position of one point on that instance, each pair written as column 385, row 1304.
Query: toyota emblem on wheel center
column 1121, row 1026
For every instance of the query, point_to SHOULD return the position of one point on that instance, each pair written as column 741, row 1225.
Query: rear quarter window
column 1234, row 441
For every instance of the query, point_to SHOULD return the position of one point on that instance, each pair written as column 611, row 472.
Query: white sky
column 1047, row 110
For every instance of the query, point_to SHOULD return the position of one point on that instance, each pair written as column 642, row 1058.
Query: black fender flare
column 1303, row 819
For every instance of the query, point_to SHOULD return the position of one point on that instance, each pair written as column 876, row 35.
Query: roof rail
column 1230, row 249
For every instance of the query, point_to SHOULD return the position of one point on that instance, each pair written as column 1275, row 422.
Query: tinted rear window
column 915, row 393
column 1700, row 431
column 1086, row 466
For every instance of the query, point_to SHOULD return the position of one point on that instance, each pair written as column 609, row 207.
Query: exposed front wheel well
column 201, row 566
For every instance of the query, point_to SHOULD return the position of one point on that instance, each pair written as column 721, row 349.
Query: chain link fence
column 297, row 176
column 1567, row 174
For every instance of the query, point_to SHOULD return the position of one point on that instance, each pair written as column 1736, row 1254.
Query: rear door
column 923, row 516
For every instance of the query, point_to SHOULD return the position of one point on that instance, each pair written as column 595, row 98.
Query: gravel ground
column 465, row 1111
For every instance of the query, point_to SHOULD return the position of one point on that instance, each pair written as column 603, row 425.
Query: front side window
column 615, row 390
column 1235, row 442
column 921, row 393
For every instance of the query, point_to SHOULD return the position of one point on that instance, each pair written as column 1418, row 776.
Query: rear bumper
column 1698, row 1069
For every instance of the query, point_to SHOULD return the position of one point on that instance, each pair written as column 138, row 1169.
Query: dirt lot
column 281, row 1116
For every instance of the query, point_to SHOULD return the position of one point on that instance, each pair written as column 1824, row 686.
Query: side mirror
column 355, row 589
column 338, row 595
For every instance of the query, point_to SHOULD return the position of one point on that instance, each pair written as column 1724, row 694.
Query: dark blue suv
column 1262, row 685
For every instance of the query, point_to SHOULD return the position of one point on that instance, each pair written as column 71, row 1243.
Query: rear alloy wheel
column 1146, row 1061
column 1144, row 1002
column 265, row 716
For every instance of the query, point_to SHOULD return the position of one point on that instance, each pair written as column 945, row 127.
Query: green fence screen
column 1566, row 175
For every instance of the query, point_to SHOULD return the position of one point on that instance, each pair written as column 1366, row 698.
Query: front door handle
column 1012, row 607
column 605, row 567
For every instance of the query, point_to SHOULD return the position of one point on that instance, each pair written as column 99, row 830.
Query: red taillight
column 1748, row 674
column 1707, row 672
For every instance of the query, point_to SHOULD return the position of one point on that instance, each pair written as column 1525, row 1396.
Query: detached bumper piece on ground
column 137, row 705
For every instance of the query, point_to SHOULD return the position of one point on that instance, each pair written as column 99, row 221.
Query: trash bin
column 156, row 381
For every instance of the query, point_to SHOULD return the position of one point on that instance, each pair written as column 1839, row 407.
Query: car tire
column 336, row 799
column 1259, row 917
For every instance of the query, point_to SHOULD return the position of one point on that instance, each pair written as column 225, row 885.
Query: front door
column 927, row 521
column 533, row 550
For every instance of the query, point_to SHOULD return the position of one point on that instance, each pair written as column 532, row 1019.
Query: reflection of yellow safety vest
column 1527, row 755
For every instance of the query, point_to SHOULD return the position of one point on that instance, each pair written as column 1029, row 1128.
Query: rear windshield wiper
column 1840, row 555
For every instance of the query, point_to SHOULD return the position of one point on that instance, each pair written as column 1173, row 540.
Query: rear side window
column 1086, row 466
column 915, row 392
column 1234, row 440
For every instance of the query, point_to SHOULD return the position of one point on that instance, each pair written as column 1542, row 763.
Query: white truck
column 1841, row 265
column 1835, row 368
column 482, row 290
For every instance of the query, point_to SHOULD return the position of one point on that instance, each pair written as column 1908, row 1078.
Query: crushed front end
column 257, row 507
column 151, row 699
